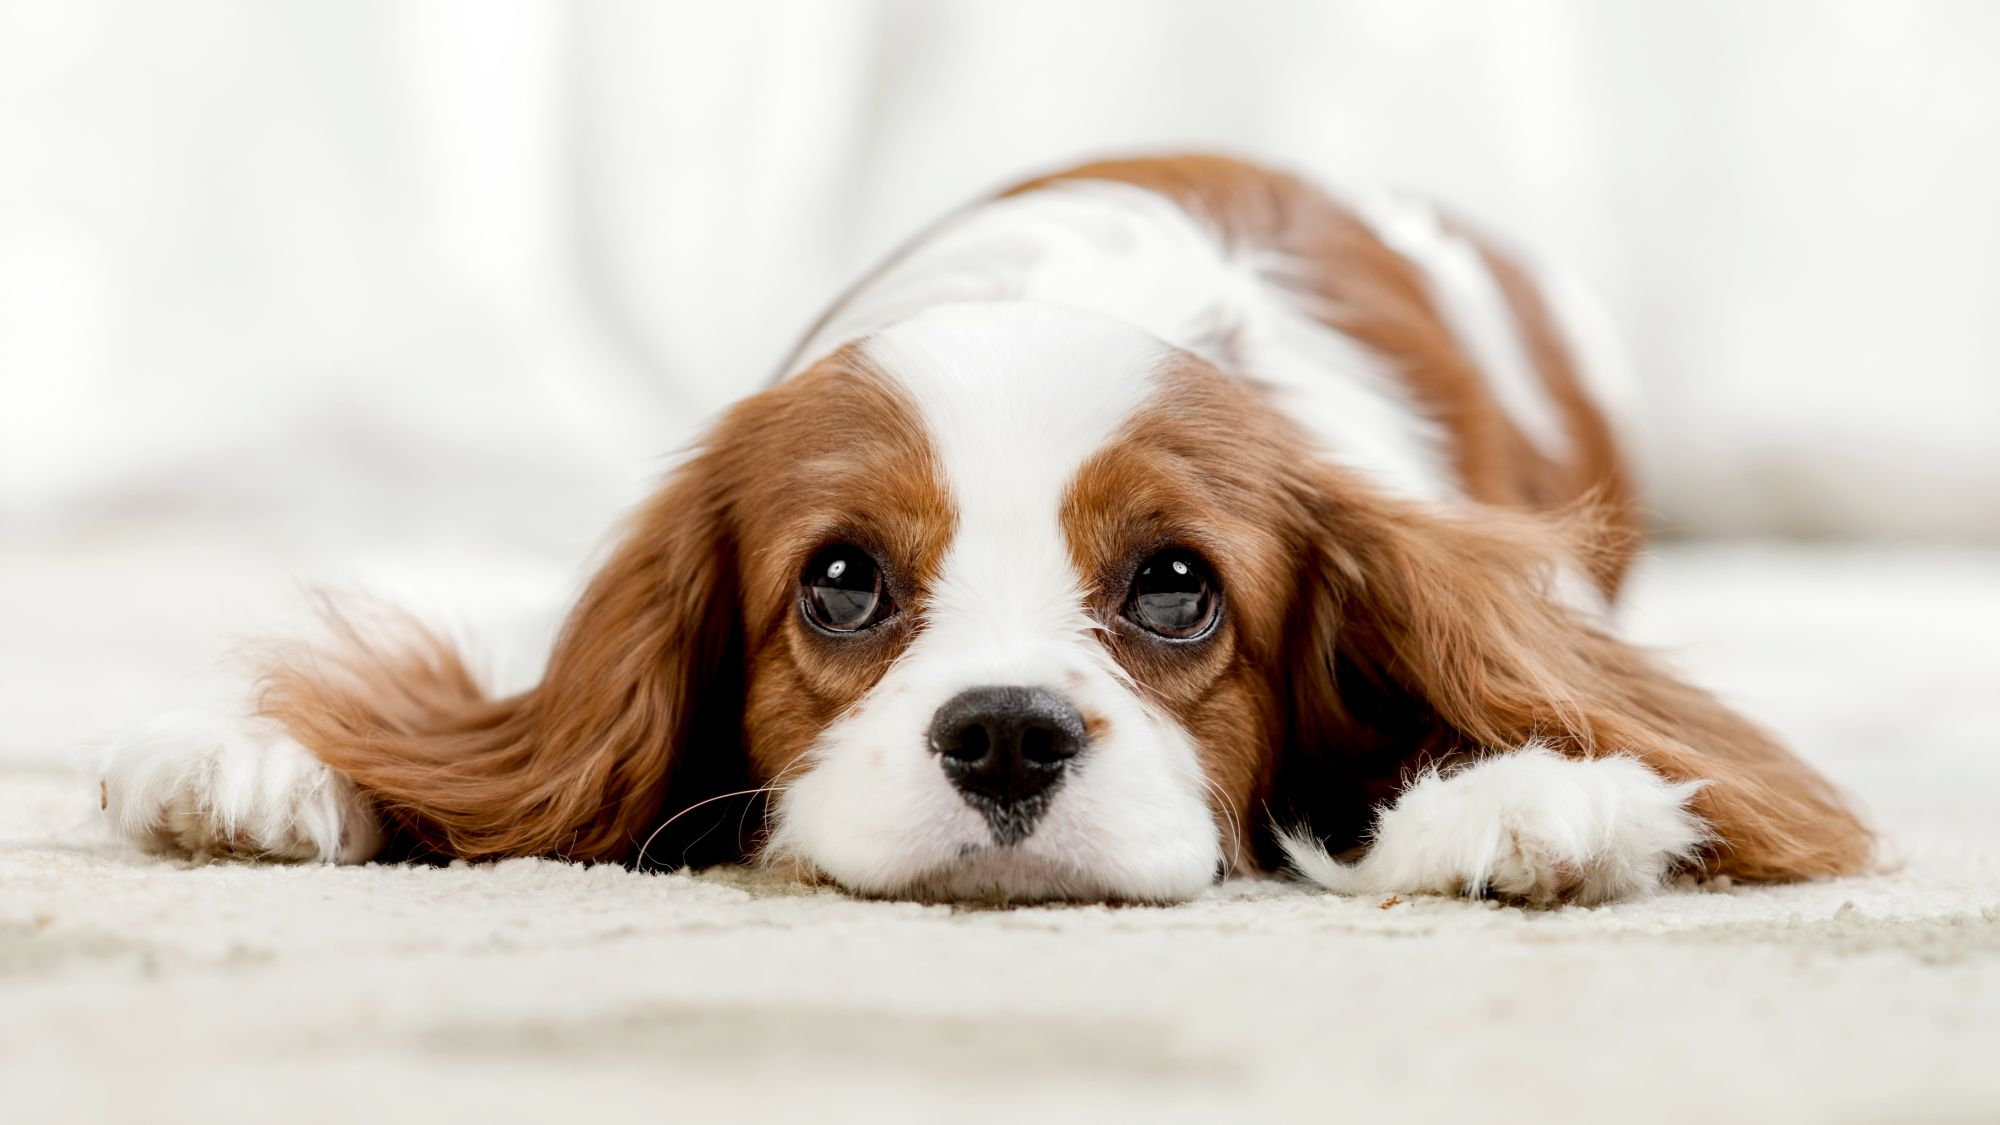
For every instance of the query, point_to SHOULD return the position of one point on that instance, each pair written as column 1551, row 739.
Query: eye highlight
column 842, row 590
column 1174, row 596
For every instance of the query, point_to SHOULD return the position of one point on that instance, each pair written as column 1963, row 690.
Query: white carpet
column 140, row 989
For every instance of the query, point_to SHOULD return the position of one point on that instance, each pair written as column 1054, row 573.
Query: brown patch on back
column 1347, row 278
column 1596, row 470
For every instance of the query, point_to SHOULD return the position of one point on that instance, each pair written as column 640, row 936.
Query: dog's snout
column 1005, row 749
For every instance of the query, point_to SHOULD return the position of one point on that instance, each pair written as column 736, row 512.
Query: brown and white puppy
column 1154, row 520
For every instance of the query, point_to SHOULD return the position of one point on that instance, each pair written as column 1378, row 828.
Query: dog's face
column 1007, row 579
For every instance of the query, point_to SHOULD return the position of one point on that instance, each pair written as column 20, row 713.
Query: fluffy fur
column 1370, row 423
column 199, row 785
column 1531, row 826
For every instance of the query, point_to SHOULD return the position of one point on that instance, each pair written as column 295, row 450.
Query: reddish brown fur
column 684, row 638
column 1354, row 619
column 1183, row 474
column 1454, row 613
column 1363, row 635
column 1596, row 475
column 1456, row 610
column 1354, row 283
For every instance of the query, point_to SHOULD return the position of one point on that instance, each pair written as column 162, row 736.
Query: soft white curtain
column 260, row 258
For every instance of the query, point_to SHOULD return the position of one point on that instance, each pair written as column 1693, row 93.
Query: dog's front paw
column 1530, row 827
column 202, row 786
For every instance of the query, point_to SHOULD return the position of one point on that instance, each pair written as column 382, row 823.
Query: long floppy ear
column 1425, row 635
column 639, row 710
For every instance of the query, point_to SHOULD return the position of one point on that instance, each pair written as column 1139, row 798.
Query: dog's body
column 1153, row 520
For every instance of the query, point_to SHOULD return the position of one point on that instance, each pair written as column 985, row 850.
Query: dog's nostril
column 1038, row 745
column 972, row 744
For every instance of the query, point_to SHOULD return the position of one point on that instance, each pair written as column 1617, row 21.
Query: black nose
column 1005, row 749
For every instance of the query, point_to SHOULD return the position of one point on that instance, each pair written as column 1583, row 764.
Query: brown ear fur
column 579, row 767
column 1431, row 635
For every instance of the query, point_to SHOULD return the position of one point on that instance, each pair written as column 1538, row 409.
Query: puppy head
column 1008, row 663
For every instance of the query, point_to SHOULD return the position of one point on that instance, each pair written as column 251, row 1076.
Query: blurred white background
column 358, row 264
column 415, row 296
column 297, row 289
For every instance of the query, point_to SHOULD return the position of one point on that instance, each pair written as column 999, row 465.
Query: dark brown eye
column 1173, row 596
column 842, row 590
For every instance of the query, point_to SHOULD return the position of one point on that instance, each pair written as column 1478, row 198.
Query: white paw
column 207, row 786
column 1531, row 826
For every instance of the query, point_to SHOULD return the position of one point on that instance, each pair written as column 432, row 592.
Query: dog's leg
column 201, row 785
column 1530, row 826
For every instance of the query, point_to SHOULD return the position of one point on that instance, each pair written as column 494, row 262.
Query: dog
column 1147, row 522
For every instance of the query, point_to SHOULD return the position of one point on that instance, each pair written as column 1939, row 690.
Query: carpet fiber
column 141, row 988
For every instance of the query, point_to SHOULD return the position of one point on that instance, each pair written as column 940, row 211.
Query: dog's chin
column 1003, row 876
column 996, row 875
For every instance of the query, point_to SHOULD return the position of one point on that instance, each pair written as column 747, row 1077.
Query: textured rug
column 143, row 989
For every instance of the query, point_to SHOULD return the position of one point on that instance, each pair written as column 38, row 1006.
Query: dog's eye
column 843, row 591
column 1173, row 596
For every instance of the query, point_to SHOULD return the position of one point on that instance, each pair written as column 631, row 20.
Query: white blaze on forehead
column 1016, row 397
column 1133, row 255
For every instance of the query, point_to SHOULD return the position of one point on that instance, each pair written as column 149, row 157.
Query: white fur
column 1474, row 307
column 1016, row 396
column 1134, row 255
column 1531, row 826
column 206, row 786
